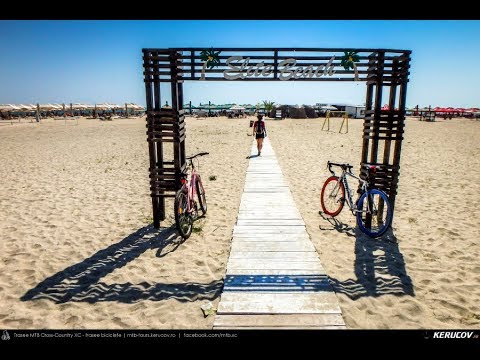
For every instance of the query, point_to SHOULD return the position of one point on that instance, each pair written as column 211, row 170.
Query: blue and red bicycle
column 372, row 209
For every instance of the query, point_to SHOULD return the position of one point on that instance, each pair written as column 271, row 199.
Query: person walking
column 260, row 132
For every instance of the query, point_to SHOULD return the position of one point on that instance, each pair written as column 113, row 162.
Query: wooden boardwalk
column 274, row 277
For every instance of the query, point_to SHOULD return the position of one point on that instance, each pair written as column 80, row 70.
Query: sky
column 101, row 61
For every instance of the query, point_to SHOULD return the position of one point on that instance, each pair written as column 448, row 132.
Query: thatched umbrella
column 297, row 112
column 310, row 112
column 283, row 108
column 7, row 109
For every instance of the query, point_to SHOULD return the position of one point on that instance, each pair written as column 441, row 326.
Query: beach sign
column 240, row 67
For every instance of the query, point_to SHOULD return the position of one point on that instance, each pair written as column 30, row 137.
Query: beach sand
column 75, row 210
column 428, row 274
column 78, row 249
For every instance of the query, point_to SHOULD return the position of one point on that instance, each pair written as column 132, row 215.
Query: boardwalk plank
column 266, row 264
column 297, row 320
column 272, row 246
column 274, row 278
column 278, row 303
column 297, row 255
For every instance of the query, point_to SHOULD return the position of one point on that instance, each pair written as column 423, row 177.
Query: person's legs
column 260, row 145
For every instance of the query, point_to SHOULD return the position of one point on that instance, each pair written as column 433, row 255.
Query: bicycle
column 373, row 210
column 186, row 207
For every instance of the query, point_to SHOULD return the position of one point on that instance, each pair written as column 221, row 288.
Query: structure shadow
column 81, row 282
column 277, row 283
column 379, row 266
column 337, row 225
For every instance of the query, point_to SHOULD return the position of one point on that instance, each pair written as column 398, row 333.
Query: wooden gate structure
column 385, row 72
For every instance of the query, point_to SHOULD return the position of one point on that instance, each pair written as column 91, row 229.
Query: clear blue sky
column 100, row 61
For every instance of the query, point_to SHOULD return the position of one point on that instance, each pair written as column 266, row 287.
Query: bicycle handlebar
column 199, row 154
column 343, row 166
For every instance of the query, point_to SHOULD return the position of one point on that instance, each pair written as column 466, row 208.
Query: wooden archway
column 382, row 69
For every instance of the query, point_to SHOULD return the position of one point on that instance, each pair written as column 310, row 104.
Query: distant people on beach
column 260, row 132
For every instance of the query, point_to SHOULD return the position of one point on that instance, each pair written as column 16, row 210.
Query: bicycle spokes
column 374, row 213
column 332, row 196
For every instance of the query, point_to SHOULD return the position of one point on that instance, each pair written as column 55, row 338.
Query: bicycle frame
column 348, row 198
column 190, row 188
column 368, row 208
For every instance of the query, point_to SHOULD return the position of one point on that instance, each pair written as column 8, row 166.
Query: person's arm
column 254, row 127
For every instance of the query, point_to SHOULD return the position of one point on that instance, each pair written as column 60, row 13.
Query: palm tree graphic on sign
column 349, row 60
column 210, row 60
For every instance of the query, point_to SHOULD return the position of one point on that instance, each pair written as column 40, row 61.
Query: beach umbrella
column 237, row 107
column 46, row 107
column 102, row 106
column 24, row 107
column 8, row 107
column 328, row 107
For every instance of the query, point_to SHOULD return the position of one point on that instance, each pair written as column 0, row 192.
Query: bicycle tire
column 202, row 199
column 183, row 221
column 379, row 230
column 337, row 202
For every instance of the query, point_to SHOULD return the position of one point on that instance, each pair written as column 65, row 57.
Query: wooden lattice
column 379, row 68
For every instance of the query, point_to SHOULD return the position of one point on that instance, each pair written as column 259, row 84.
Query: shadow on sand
column 80, row 282
column 379, row 265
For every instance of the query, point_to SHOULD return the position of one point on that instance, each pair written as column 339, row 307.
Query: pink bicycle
column 186, row 207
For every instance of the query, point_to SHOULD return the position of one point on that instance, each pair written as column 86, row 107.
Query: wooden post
column 126, row 110
column 95, row 111
column 344, row 121
column 377, row 108
column 182, row 155
column 192, row 65
column 147, row 63
column 327, row 121
column 366, row 121
column 158, row 145
column 71, row 109
column 176, row 107
column 275, row 64
column 38, row 113
column 388, row 134
column 64, row 110
column 398, row 142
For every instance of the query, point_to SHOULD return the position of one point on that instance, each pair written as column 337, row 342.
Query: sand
column 427, row 274
column 78, row 249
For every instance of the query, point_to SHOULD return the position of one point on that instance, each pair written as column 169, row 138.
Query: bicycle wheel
column 202, row 200
column 381, row 215
column 183, row 220
column 332, row 197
